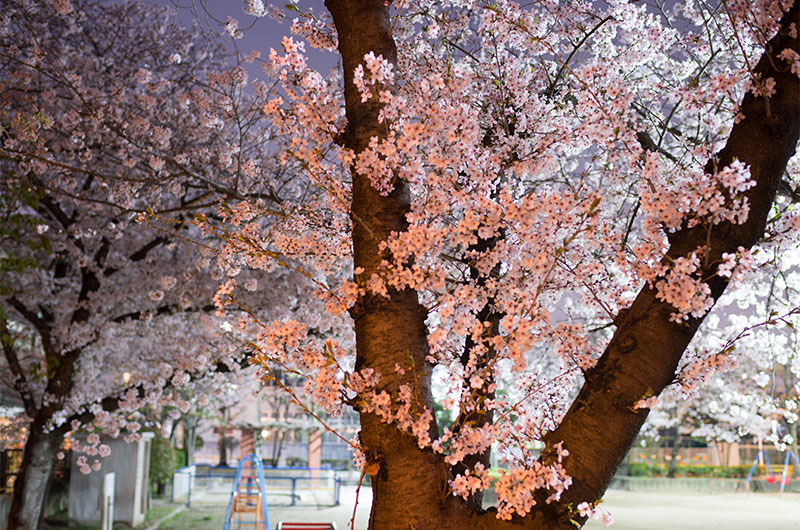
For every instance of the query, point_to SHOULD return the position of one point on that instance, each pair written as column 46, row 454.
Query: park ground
column 203, row 516
column 631, row 511
column 697, row 511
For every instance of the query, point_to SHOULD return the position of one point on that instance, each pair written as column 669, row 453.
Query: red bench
column 305, row 526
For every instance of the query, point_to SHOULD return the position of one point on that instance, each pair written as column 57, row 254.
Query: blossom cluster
column 515, row 488
column 91, row 448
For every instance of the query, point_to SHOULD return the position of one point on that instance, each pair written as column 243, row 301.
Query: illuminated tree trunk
column 409, row 484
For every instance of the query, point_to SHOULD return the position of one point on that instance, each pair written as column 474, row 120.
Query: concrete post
column 107, row 503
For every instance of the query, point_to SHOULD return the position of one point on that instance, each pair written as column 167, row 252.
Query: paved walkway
column 208, row 512
column 694, row 511
column 341, row 514
column 631, row 511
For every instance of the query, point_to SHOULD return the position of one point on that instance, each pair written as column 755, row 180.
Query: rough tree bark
column 34, row 478
column 409, row 483
column 390, row 330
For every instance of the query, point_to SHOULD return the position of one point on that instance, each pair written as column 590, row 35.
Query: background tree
column 102, row 121
column 224, row 439
column 758, row 397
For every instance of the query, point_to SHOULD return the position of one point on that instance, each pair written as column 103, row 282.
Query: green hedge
column 339, row 464
column 660, row 470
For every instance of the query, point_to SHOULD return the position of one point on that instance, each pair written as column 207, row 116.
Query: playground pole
column 785, row 469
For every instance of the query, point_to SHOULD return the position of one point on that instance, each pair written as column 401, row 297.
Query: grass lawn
column 157, row 512
column 197, row 518
column 153, row 515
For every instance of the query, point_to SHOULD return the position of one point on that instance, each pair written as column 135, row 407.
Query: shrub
column 639, row 470
column 180, row 458
column 339, row 464
column 162, row 463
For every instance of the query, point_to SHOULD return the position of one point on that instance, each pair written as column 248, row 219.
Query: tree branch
column 42, row 327
column 139, row 255
column 163, row 310
column 112, row 403
column 20, row 382
column 644, row 352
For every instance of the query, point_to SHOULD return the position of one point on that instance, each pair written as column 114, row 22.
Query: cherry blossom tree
column 536, row 205
column 102, row 124
column 757, row 398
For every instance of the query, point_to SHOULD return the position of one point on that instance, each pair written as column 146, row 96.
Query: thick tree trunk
column 277, row 446
column 27, row 505
column 409, row 484
column 223, row 437
column 672, row 467
column 223, row 448
column 189, row 433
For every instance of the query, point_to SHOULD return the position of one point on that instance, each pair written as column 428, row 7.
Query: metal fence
column 711, row 455
column 288, row 486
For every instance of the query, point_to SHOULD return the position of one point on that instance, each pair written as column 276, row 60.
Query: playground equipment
column 248, row 498
column 784, row 477
column 772, row 478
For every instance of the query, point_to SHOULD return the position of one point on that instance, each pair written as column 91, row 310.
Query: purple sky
column 258, row 33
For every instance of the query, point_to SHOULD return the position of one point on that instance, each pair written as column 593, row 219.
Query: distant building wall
column 330, row 451
column 268, row 414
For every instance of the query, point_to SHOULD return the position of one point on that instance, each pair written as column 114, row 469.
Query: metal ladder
column 248, row 499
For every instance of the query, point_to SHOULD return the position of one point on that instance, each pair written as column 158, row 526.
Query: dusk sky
column 259, row 34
